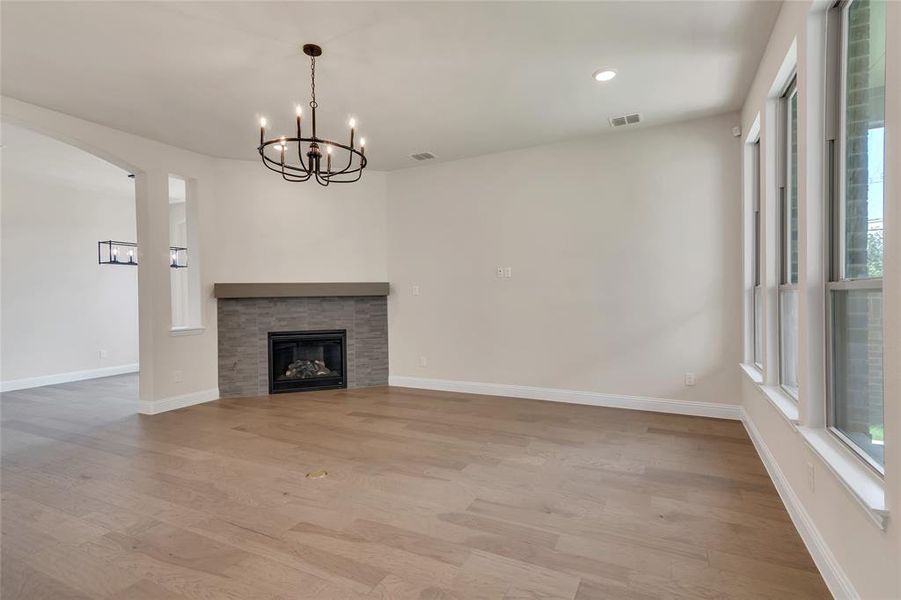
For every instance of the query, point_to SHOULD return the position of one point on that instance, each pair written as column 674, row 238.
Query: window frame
column 757, row 282
column 836, row 142
column 783, row 223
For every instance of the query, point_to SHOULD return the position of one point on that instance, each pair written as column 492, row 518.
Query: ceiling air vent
column 625, row 120
column 423, row 156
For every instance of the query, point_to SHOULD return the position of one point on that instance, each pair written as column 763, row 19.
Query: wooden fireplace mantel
column 300, row 290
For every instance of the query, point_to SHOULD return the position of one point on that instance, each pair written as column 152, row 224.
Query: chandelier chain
column 313, row 103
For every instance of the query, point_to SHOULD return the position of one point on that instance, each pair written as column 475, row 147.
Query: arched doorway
column 67, row 315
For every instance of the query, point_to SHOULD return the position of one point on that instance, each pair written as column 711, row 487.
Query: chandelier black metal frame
column 278, row 154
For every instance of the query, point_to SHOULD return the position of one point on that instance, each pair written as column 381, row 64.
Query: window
column 788, row 242
column 757, row 292
column 854, row 291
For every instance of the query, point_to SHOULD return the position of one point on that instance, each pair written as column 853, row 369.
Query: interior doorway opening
column 66, row 316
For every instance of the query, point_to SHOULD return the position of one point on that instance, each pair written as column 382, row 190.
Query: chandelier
column 301, row 158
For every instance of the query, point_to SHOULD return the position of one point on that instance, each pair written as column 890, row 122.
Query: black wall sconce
column 111, row 252
column 178, row 257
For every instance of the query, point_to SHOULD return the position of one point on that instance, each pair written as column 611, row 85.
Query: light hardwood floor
column 429, row 495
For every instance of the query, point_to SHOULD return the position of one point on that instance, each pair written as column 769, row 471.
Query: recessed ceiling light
column 604, row 74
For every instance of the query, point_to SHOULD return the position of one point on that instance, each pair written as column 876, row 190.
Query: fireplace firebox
column 302, row 361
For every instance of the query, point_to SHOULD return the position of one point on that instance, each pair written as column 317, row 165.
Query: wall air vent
column 423, row 156
column 625, row 120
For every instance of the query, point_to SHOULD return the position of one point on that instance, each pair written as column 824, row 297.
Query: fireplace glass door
column 307, row 360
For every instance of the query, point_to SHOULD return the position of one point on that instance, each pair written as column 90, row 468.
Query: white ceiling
column 456, row 79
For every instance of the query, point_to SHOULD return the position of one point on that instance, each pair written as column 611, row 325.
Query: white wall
column 266, row 229
column 59, row 308
column 624, row 260
column 857, row 557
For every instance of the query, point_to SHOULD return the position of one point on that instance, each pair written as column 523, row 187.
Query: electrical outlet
column 500, row 272
column 423, row 362
column 415, row 290
column 104, row 354
column 811, row 477
column 508, row 272
column 176, row 376
column 689, row 379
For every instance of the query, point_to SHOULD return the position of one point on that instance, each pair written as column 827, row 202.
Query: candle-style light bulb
column 115, row 255
column 172, row 258
column 299, row 109
column 283, row 147
column 262, row 129
column 131, row 256
column 328, row 158
column 362, row 145
column 263, row 122
column 353, row 124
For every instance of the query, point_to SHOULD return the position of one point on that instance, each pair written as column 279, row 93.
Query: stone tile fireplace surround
column 245, row 320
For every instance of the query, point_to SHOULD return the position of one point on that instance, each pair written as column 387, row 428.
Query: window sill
column 179, row 331
column 752, row 372
column 865, row 485
column 784, row 403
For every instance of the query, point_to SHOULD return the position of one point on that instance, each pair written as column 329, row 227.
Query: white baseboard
column 832, row 572
column 175, row 402
column 665, row 405
column 33, row 382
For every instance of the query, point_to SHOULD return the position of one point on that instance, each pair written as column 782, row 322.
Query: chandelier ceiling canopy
column 300, row 158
